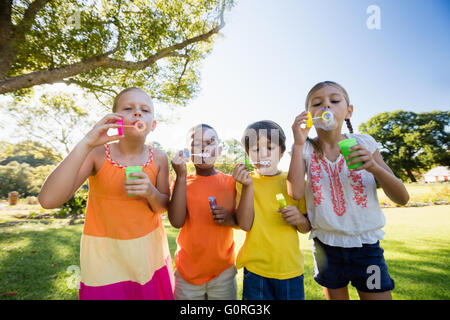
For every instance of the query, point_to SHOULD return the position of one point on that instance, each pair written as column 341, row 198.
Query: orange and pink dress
column 124, row 252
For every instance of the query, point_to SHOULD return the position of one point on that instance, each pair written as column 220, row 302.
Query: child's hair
column 116, row 99
column 318, row 86
column 269, row 128
column 201, row 126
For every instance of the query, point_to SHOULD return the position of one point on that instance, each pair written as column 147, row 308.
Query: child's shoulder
column 159, row 155
column 98, row 156
column 225, row 175
column 159, row 158
column 365, row 140
column 359, row 136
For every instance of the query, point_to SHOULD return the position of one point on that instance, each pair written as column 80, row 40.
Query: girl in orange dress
column 124, row 249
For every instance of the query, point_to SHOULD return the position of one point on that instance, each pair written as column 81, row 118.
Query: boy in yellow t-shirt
column 271, row 256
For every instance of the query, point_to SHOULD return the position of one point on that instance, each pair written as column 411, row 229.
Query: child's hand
column 241, row 175
column 293, row 217
column 179, row 163
column 98, row 134
column 223, row 216
column 362, row 155
column 140, row 187
column 300, row 134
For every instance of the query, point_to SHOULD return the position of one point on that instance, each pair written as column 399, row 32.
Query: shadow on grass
column 18, row 223
column 419, row 267
column 33, row 263
column 419, row 273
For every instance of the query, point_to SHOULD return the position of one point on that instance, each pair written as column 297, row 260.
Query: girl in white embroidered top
column 342, row 203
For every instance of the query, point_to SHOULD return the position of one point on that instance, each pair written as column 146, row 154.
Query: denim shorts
column 365, row 268
column 260, row 288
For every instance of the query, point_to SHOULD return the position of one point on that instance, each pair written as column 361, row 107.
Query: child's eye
column 317, row 104
column 336, row 101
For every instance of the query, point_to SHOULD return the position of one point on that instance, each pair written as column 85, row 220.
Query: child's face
column 265, row 156
column 205, row 141
column 136, row 106
column 333, row 98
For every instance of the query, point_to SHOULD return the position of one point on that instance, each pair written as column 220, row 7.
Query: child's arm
column 245, row 210
column 157, row 195
column 177, row 205
column 70, row 174
column 374, row 163
column 296, row 174
column 293, row 217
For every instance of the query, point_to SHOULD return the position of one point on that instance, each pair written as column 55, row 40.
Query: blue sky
column 273, row 51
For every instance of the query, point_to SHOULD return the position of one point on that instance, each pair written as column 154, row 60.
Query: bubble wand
column 138, row 125
column 281, row 200
column 326, row 116
column 203, row 155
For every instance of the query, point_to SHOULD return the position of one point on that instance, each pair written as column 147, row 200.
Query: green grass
column 417, row 251
column 421, row 192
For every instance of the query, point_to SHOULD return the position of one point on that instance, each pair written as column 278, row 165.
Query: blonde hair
column 121, row 93
column 320, row 85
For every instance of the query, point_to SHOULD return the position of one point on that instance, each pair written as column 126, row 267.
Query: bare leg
column 336, row 294
column 375, row 295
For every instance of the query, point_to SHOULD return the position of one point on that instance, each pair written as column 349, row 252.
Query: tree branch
column 181, row 76
column 103, row 60
column 28, row 19
column 90, row 86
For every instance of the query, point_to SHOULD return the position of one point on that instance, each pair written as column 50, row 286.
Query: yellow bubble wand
column 326, row 116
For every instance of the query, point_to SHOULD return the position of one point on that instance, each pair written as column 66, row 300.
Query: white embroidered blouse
column 342, row 204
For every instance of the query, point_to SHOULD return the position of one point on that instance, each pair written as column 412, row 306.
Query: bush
column 23, row 178
column 76, row 205
column 15, row 177
column 38, row 176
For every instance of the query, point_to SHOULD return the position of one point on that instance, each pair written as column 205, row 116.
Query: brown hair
column 320, row 85
column 266, row 126
column 121, row 93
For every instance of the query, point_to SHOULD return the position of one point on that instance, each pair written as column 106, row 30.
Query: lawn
column 422, row 193
column 39, row 258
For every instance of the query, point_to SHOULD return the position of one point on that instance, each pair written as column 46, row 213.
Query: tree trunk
column 7, row 55
column 410, row 175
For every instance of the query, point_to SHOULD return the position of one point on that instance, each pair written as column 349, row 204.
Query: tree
column 31, row 152
column 55, row 118
column 411, row 142
column 15, row 177
column 104, row 46
column 232, row 153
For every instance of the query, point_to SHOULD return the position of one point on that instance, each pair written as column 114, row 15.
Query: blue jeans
column 261, row 288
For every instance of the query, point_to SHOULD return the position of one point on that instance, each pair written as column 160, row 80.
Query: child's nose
column 138, row 113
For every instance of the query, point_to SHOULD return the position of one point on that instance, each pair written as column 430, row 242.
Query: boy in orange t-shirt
column 204, row 259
